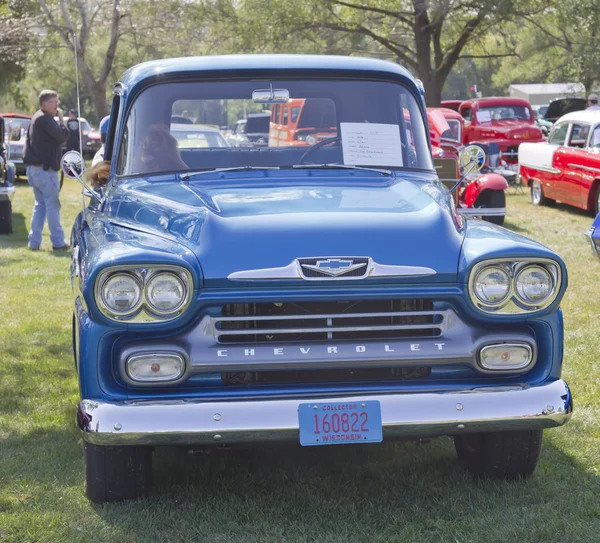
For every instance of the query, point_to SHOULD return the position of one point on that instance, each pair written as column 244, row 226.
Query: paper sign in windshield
column 371, row 144
column 484, row 116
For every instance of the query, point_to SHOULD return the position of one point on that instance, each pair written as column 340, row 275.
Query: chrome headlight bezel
column 513, row 304
column 144, row 312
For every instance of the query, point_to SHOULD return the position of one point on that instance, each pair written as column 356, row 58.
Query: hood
column 511, row 129
column 248, row 226
column 562, row 106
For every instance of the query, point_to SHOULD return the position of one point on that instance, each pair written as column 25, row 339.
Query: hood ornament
column 334, row 267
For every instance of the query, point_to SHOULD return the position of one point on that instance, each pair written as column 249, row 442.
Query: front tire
column 114, row 474
column 537, row 195
column 500, row 455
column 492, row 199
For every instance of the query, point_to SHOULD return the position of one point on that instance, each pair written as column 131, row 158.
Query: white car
column 195, row 136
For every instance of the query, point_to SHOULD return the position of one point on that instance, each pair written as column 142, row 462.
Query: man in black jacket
column 42, row 156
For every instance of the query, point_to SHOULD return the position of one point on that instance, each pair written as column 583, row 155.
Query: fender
column 488, row 181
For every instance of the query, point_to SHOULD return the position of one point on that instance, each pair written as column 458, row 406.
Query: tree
column 427, row 37
column 13, row 42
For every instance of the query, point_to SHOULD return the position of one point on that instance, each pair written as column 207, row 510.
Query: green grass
column 394, row 492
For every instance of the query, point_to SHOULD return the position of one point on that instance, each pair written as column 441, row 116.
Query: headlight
column 143, row 294
column 534, row 285
column 519, row 285
column 492, row 285
column 121, row 293
column 165, row 293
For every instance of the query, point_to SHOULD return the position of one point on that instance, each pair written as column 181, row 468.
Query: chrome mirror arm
column 90, row 191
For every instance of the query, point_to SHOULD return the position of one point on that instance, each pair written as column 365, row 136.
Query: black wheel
column 596, row 205
column 6, row 217
column 491, row 199
column 114, row 474
column 500, row 455
column 537, row 195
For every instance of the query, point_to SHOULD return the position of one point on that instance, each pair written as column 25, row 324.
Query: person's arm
column 58, row 132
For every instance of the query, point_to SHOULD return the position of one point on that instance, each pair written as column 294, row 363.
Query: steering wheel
column 318, row 145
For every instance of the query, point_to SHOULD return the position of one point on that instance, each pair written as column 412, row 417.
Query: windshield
column 353, row 123
column 454, row 134
column 501, row 113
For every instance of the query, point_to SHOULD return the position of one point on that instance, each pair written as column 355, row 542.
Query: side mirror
column 73, row 166
column 471, row 160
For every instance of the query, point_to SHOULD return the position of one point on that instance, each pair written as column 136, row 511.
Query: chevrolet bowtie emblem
column 334, row 266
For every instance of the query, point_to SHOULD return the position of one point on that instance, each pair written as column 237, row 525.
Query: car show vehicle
column 594, row 234
column 321, row 295
column 567, row 166
column 451, row 104
column 253, row 131
column 480, row 194
column 7, row 188
column 507, row 122
column 15, row 135
column 302, row 122
column 194, row 136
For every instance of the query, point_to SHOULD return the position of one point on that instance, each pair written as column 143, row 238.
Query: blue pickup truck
column 324, row 292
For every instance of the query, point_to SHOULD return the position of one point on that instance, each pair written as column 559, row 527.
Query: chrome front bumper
column 256, row 421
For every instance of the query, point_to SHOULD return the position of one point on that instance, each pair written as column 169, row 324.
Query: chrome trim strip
column 294, row 271
column 203, row 422
column 541, row 168
column 587, row 168
column 483, row 211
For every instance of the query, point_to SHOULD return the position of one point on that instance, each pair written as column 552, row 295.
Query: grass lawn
column 394, row 492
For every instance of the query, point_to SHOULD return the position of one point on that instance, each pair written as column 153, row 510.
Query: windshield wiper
column 187, row 176
column 341, row 167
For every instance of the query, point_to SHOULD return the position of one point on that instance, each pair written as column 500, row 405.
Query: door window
column 558, row 134
column 595, row 139
column 579, row 135
column 466, row 113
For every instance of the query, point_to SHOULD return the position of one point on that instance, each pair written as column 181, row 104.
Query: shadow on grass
column 512, row 226
column 377, row 492
column 19, row 233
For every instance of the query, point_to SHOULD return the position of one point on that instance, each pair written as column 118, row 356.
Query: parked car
column 567, row 166
column 252, row 131
column 90, row 147
column 320, row 295
column 197, row 136
column 451, row 104
column 302, row 122
column 7, row 189
column 480, row 194
column 561, row 106
column 15, row 135
column 594, row 235
column 505, row 121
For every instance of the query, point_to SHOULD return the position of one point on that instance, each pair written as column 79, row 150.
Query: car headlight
column 519, row 285
column 533, row 284
column 143, row 293
column 492, row 285
column 165, row 293
column 121, row 294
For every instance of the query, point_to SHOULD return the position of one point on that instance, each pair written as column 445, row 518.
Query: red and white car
column 567, row 166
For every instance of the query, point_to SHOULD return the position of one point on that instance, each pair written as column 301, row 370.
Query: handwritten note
column 371, row 144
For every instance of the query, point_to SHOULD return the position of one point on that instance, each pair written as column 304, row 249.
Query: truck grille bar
column 285, row 321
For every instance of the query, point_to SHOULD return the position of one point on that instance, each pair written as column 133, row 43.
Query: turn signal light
column 155, row 367
column 505, row 356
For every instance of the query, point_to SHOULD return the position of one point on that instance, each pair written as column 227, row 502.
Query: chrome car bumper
column 255, row 421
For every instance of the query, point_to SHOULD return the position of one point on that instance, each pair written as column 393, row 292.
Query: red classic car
column 451, row 104
column 480, row 195
column 505, row 121
column 567, row 166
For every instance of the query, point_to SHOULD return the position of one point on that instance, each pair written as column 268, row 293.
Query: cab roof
column 240, row 64
column 496, row 101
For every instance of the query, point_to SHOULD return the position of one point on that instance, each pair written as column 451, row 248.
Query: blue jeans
column 47, row 205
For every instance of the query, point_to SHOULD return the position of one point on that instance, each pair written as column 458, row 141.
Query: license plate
column 339, row 423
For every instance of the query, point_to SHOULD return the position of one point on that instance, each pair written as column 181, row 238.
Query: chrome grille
column 340, row 320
